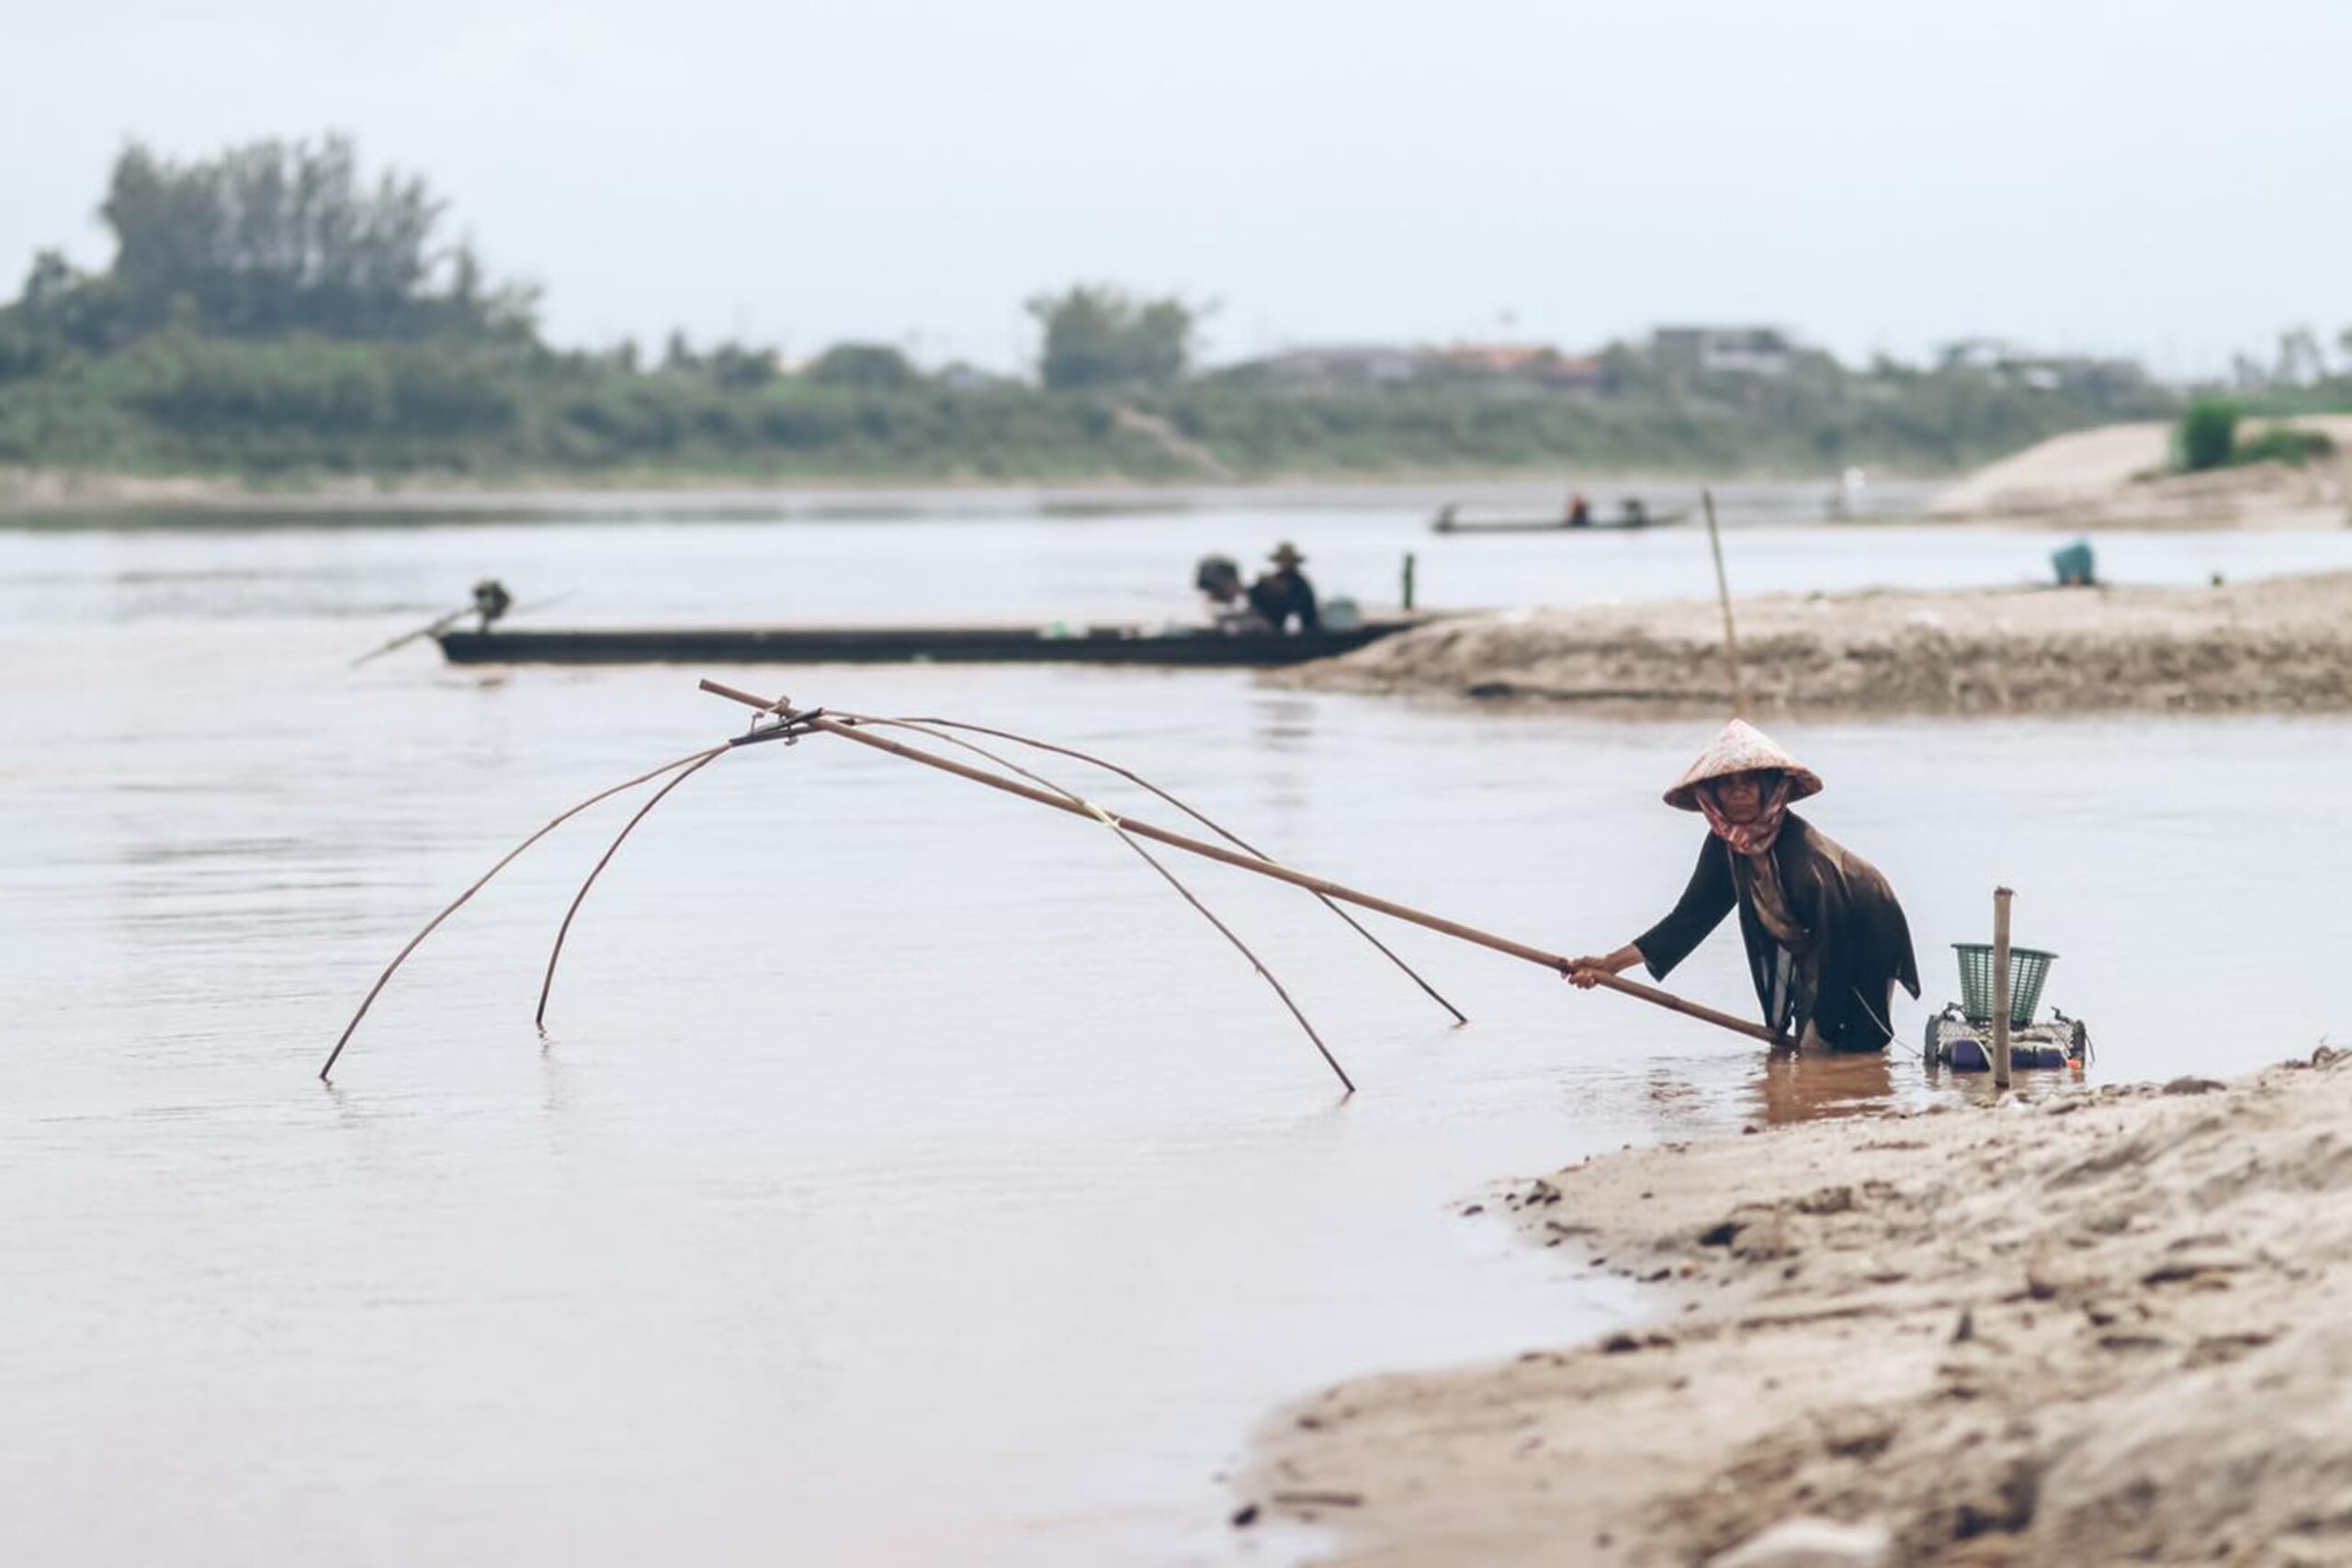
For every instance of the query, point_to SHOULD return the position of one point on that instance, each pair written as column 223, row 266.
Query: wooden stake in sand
column 2001, row 897
column 1723, row 596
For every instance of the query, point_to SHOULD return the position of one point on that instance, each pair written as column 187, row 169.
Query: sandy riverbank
column 2116, row 477
column 2281, row 645
column 2103, row 1327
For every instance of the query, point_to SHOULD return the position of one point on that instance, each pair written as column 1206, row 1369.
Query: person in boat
column 1579, row 511
column 1284, row 594
column 1219, row 579
column 1825, row 939
column 491, row 601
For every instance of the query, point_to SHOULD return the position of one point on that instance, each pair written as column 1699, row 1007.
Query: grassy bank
column 302, row 410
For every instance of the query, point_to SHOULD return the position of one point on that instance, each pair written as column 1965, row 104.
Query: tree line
column 275, row 310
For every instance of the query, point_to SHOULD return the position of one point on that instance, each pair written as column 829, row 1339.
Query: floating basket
column 2028, row 966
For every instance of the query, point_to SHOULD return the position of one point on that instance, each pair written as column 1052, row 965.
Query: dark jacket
column 1856, row 938
column 1279, row 595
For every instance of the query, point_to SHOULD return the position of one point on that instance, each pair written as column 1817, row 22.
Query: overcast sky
column 2157, row 178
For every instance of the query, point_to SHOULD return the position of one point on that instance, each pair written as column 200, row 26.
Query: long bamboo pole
column 1230, row 837
column 1330, row 889
column 1153, row 861
column 1723, row 597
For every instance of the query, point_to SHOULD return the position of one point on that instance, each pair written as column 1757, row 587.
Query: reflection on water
column 886, row 1128
column 1820, row 1085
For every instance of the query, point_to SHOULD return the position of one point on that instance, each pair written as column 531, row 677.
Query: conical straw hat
column 1741, row 748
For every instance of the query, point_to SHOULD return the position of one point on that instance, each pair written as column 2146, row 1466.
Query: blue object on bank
column 2073, row 564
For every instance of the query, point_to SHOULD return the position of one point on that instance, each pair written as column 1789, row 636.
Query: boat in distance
column 1446, row 523
column 1098, row 643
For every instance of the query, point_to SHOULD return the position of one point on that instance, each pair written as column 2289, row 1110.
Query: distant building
column 1577, row 373
column 1496, row 359
column 1340, row 366
column 2001, row 359
column 1722, row 351
column 1523, row 366
column 1977, row 354
column 1536, row 363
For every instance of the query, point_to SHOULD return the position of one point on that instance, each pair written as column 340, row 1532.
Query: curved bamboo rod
column 1108, row 820
column 459, row 901
column 547, row 982
column 816, row 721
column 1213, row 826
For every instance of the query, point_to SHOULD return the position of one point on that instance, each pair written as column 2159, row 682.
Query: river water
column 905, row 1175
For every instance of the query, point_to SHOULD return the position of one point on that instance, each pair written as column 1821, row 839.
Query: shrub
column 2284, row 444
column 2206, row 437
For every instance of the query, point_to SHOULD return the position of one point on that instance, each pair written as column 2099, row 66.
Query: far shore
column 2108, row 477
column 2278, row 645
column 2094, row 1327
column 1538, row 491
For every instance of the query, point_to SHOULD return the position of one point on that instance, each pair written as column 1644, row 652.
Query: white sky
column 2157, row 178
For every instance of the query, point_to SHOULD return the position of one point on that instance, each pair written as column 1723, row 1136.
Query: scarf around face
column 1748, row 838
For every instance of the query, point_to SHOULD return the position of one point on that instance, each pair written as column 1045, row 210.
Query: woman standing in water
column 1826, row 941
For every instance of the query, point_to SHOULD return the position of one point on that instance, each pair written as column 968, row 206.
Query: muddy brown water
column 904, row 1174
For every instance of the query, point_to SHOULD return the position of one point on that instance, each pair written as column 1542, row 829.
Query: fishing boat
column 1055, row 644
column 1447, row 523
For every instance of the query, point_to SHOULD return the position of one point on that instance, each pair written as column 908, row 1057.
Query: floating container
column 1966, row 1046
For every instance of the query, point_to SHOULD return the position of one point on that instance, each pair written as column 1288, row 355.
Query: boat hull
column 906, row 645
column 1555, row 525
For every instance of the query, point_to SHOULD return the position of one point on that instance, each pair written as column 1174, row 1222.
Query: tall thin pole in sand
column 1723, row 597
column 2001, row 897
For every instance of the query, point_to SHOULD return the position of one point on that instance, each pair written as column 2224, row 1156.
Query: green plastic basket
column 2028, row 966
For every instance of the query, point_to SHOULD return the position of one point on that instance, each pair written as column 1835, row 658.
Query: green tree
column 277, row 237
column 864, row 367
column 737, row 366
column 1098, row 337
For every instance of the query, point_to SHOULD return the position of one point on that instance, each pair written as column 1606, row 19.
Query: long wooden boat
column 1446, row 524
column 901, row 645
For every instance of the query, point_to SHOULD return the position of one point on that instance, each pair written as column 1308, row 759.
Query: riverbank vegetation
column 2209, row 437
column 270, row 314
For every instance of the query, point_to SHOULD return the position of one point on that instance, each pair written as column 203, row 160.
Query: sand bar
column 2118, row 476
column 2279, row 644
column 2108, row 1326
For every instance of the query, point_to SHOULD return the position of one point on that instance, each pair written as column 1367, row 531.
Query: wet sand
column 2279, row 644
column 2096, row 1328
